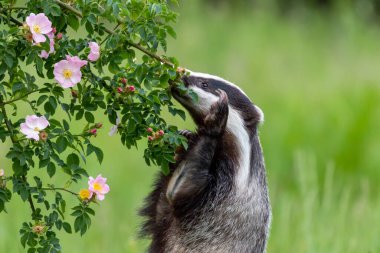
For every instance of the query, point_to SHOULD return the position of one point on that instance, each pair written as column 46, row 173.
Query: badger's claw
column 216, row 120
column 186, row 133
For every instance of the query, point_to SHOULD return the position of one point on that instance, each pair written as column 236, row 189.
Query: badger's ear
column 260, row 114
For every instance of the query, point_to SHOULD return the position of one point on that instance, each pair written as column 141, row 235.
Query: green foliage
column 129, row 88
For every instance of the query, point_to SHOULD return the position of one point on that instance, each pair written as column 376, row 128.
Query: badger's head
column 206, row 87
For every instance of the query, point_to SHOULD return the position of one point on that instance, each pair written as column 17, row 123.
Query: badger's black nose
column 185, row 80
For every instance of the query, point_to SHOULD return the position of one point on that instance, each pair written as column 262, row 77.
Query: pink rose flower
column 94, row 51
column 76, row 61
column 67, row 73
column 39, row 25
column 33, row 125
column 98, row 186
column 45, row 54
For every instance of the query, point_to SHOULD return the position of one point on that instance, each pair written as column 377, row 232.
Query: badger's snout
column 186, row 80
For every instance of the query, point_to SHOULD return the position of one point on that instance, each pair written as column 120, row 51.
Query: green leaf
column 61, row 144
column 89, row 117
column 73, row 21
column 72, row 159
column 51, row 169
column 67, row 227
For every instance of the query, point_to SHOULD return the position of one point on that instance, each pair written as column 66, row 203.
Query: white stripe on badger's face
column 208, row 76
column 205, row 99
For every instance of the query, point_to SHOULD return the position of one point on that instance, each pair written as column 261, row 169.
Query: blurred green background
column 314, row 69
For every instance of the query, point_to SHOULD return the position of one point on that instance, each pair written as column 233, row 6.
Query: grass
column 317, row 80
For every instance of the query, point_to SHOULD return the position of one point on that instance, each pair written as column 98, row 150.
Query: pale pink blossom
column 45, row 54
column 94, row 51
column 113, row 130
column 33, row 125
column 76, row 61
column 67, row 73
column 98, row 186
column 2, row 173
column 39, row 25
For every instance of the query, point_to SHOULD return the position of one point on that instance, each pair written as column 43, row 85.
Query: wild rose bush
column 83, row 58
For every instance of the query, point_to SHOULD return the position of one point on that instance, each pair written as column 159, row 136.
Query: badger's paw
column 216, row 120
column 187, row 133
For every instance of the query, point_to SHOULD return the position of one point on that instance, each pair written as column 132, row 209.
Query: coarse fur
column 215, row 198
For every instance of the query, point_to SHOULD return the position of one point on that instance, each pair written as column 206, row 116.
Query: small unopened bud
column 59, row 36
column 98, row 125
column 123, row 80
column 29, row 36
column 93, row 131
column 131, row 88
column 38, row 229
column 2, row 173
column 74, row 93
column 181, row 70
column 149, row 130
column 43, row 136
column 119, row 90
column 161, row 132
column 150, row 138
column 54, row 30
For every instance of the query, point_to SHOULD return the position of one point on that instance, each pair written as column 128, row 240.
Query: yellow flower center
column 37, row 129
column 97, row 187
column 37, row 29
column 84, row 194
column 67, row 73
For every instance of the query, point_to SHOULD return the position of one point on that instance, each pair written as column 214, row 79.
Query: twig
column 21, row 97
column 14, row 140
column 10, row 18
column 109, row 31
column 59, row 189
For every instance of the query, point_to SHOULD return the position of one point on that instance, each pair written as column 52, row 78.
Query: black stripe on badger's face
column 206, row 86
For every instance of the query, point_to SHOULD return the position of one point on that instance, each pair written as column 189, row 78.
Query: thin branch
column 59, row 189
column 14, row 140
column 109, row 31
column 10, row 18
column 21, row 97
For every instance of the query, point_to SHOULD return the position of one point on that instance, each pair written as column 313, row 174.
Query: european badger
column 215, row 198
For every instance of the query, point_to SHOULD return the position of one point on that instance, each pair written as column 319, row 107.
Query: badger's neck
column 236, row 127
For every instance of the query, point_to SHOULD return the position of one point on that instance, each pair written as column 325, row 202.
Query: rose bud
column 74, row 93
column 59, row 36
column 93, row 131
column 149, row 130
column 98, row 125
column 54, row 30
column 43, row 136
column 123, row 81
column 119, row 90
column 181, row 70
column 132, row 88
column 38, row 229
column 150, row 138
column 161, row 132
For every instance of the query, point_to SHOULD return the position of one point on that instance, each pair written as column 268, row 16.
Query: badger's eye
column 204, row 84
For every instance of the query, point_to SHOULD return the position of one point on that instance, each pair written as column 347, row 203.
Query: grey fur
column 215, row 199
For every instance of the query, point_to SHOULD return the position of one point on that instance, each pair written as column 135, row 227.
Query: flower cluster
column 155, row 135
column 125, row 89
column 96, row 187
column 67, row 72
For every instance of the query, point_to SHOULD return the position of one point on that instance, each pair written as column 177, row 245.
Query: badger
column 215, row 198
